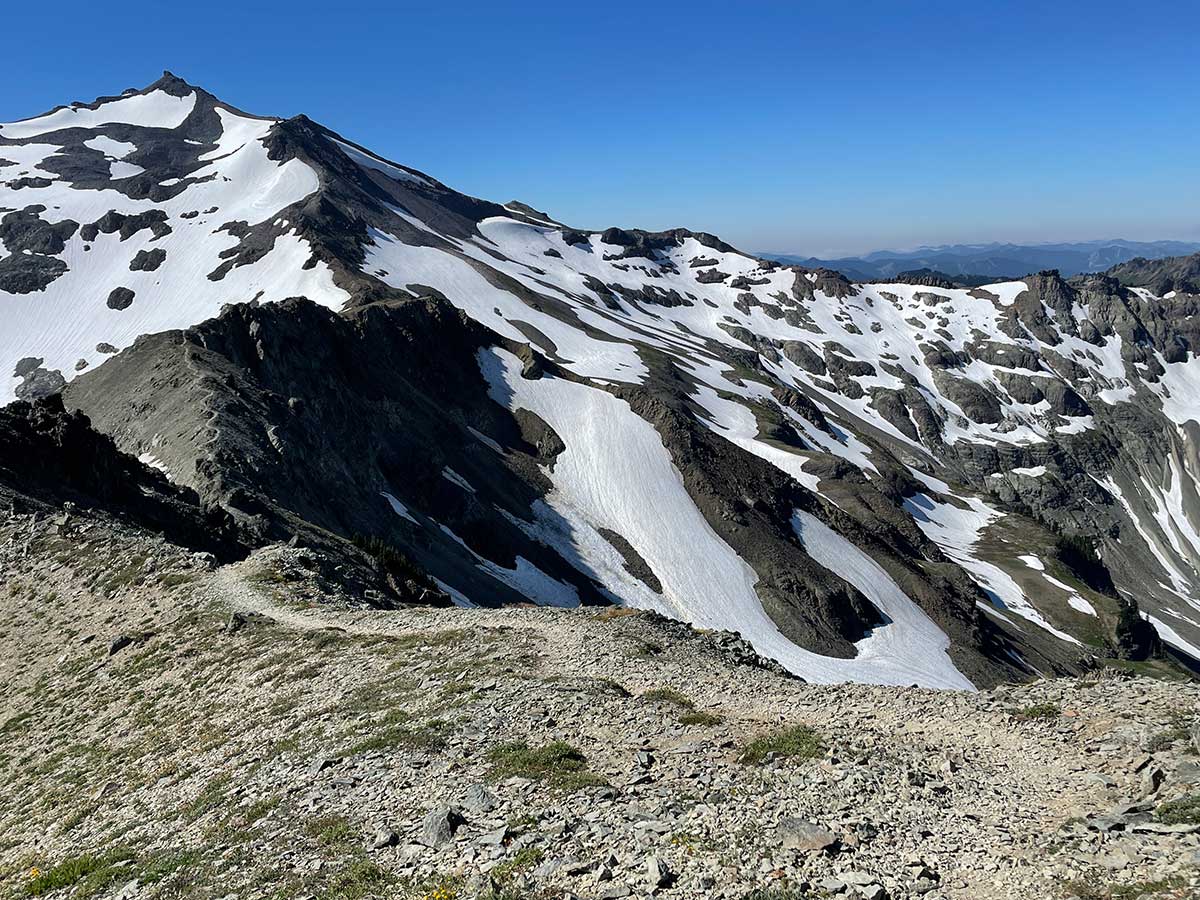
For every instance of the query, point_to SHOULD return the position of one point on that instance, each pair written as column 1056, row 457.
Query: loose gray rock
column 800, row 834
column 384, row 837
column 479, row 800
column 659, row 872
column 119, row 643
column 439, row 825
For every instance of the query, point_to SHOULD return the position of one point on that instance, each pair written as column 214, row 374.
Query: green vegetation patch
column 524, row 860
column 430, row 737
column 1184, row 811
column 699, row 717
column 330, row 831
column 798, row 743
column 669, row 695
column 1086, row 890
column 781, row 893
column 360, row 879
column 557, row 764
column 89, row 872
column 1043, row 711
column 1179, row 729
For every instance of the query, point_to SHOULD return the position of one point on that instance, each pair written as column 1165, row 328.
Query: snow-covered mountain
column 894, row 483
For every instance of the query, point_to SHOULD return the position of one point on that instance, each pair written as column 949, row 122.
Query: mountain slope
column 885, row 482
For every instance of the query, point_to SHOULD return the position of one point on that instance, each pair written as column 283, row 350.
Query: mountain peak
column 172, row 84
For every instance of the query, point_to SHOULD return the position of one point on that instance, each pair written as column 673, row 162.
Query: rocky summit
column 362, row 538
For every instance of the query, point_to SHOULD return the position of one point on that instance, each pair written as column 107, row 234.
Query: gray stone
column 321, row 763
column 384, row 837
column 659, row 872
column 1152, row 780
column 479, row 799
column 800, row 834
column 439, row 825
column 858, row 878
column 495, row 837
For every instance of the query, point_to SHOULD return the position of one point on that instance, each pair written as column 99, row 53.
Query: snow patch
column 110, row 147
column 158, row 109
column 398, row 508
column 957, row 531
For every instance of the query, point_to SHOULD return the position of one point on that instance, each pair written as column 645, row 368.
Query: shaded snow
column 398, row 508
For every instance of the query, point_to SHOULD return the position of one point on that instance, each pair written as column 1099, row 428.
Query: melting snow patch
column 110, row 147
column 398, row 508
column 151, row 460
column 525, row 578
column 1173, row 637
column 957, row 531
column 737, row 424
column 454, row 478
column 457, row 597
column 119, row 169
column 369, row 161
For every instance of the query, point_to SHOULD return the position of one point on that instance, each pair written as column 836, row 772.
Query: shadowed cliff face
column 52, row 457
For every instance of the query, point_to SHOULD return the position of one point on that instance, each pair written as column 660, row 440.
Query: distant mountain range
column 991, row 261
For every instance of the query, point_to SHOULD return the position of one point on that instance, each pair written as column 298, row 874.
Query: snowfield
column 704, row 581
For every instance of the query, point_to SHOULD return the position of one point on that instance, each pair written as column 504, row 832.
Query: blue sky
column 820, row 128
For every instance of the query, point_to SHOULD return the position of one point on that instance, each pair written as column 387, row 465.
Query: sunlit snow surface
column 65, row 322
column 704, row 581
column 157, row 109
column 1172, row 637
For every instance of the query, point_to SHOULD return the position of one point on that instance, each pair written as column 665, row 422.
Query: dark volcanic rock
column 127, row 225
column 148, row 260
column 120, row 298
column 37, row 382
column 24, row 273
column 976, row 402
column 25, row 230
column 300, row 421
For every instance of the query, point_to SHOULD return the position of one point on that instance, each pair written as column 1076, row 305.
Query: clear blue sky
column 818, row 128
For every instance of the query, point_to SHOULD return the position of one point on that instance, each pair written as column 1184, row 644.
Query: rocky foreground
column 174, row 729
